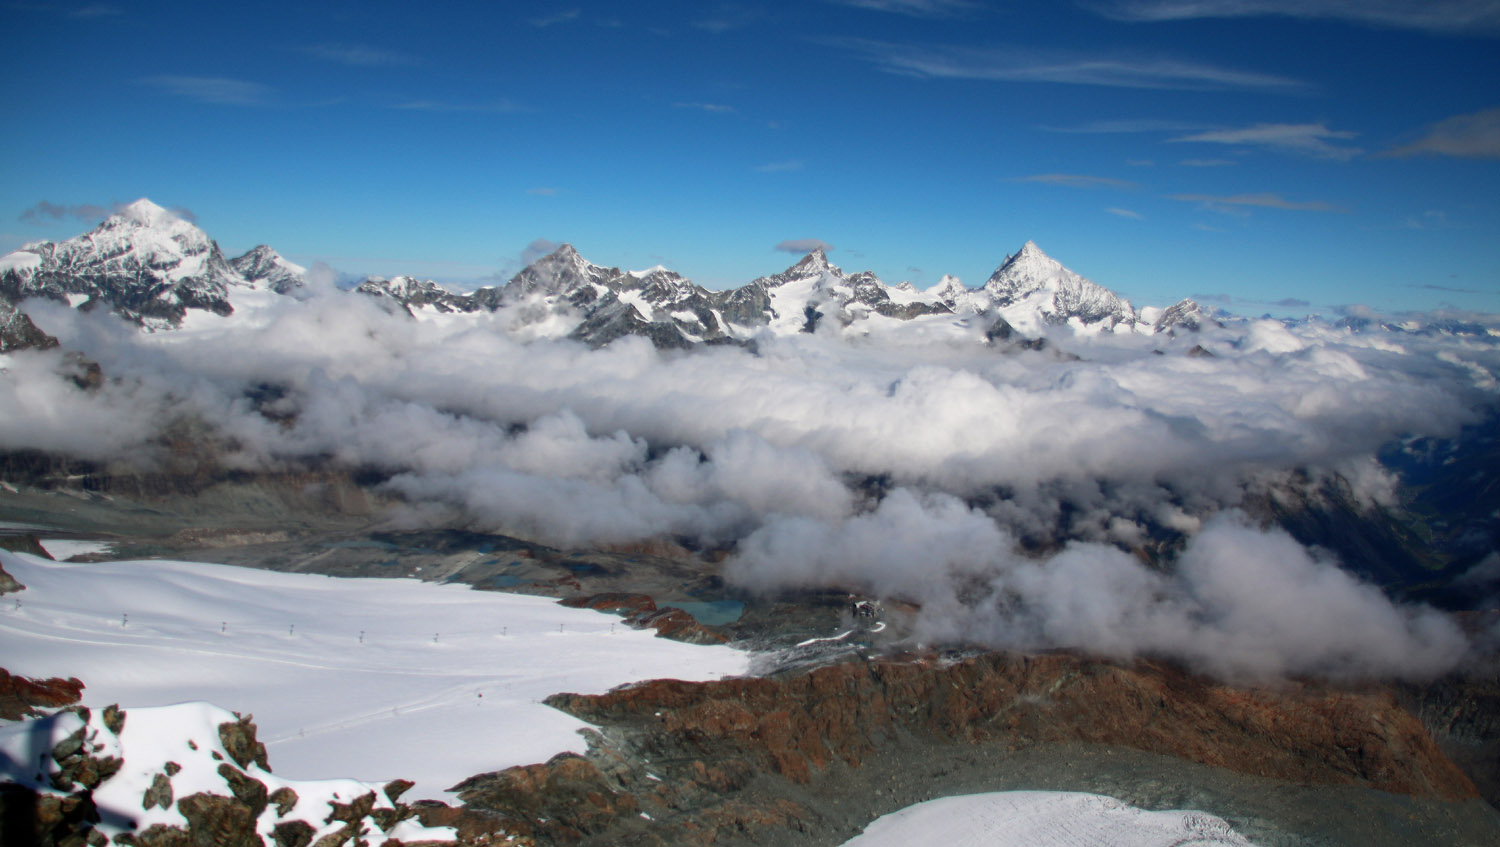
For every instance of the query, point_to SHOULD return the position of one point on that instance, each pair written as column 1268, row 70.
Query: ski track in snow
column 371, row 679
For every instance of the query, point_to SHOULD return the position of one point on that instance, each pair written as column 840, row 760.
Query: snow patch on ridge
column 1043, row 819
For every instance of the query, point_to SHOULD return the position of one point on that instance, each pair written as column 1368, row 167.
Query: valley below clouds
column 1007, row 493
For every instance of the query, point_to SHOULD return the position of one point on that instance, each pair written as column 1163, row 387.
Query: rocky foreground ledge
column 187, row 775
column 810, row 757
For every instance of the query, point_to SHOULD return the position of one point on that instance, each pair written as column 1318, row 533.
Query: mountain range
column 152, row 267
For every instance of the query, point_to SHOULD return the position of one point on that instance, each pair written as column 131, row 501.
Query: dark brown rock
column 21, row 697
column 292, row 834
column 722, row 748
column 114, row 718
column 615, row 602
column 27, row 817
column 28, row 544
column 219, row 821
column 284, row 799
column 159, row 794
column 238, row 738
column 672, row 622
column 569, row 792
column 246, row 789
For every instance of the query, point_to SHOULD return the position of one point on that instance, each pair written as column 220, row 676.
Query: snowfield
column 1043, row 819
column 370, row 679
column 183, row 741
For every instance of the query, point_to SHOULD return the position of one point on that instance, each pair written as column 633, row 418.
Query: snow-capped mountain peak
column 1026, row 271
column 147, row 229
column 560, row 272
column 1031, row 288
column 146, row 213
column 1186, row 315
column 263, row 267
column 813, row 264
column 148, row 264
column 949, row 284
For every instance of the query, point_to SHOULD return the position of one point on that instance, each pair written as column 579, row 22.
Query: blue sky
column 1278, row 156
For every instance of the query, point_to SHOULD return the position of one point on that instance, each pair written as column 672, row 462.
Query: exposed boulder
column 21, row 697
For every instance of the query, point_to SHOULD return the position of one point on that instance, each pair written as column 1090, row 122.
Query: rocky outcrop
column 70, row 799
column 640, row 611
column 1462, row 711
column 1185, row 315
column 28, row 544
column 21, row 697
column 748, row 758
column 17, row 332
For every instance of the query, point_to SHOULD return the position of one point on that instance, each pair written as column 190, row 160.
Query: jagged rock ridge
column 151, row 266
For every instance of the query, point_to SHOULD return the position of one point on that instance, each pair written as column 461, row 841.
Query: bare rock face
column 1462, row 711
column 21, row 697
column 641, row 612
column 619, row 603
column 17, row 332
column 240, row 742
column 736, row 759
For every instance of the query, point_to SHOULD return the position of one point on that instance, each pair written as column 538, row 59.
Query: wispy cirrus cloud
column 1079, row 181
column 1232, row 202
column 47, row 211
column 1471, row 136
column 1230, row 300
column 44, row 211
column 917, row 8
column 92, row 11
column 1020, row 64
column 1452, row 289
column 213, row 89
column 357, row 55
column 1304, row 139
column 493, row 106
column 1125, row 126
column 562, row 16
column 96, row 10
column 803, row 245
column 544, row 191
column 711, row 108
column 1207, row 163
column 1430, row 219
column 726, row 17
column 1456, row 17
column 781, row 167
column 1126, row 213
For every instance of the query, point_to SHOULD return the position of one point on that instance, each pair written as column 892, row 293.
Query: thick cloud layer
column 1243, row 602
column 909, row 460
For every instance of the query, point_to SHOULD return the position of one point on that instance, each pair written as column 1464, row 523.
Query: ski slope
column 369, row 679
